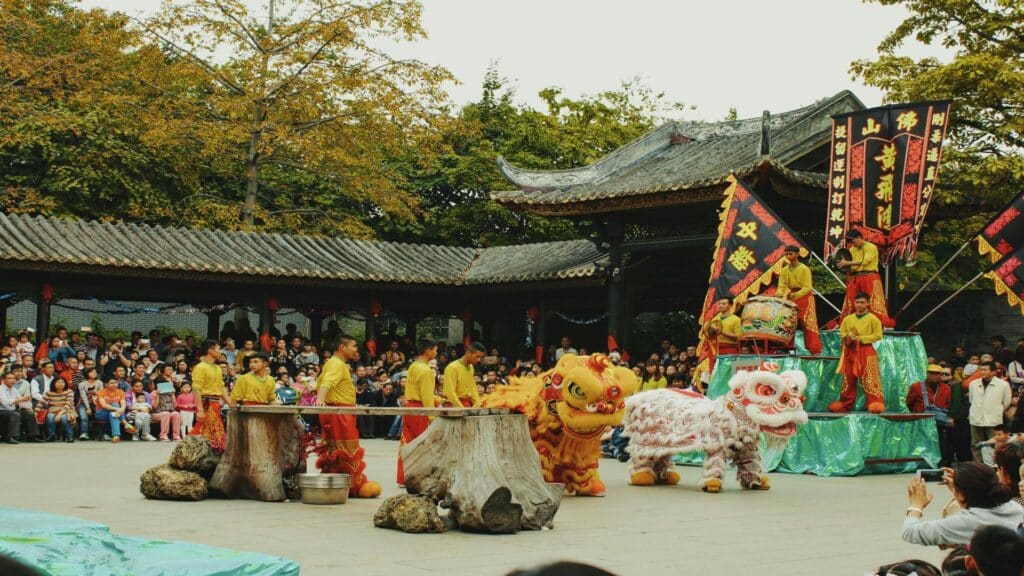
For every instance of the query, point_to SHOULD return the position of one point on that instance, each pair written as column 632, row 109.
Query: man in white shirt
column 990, row 397
column 565, row 349
column 42, row 382
column 14, row 413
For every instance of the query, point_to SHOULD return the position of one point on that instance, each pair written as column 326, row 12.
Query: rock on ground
column 166, row 483
column 194, row 454
column 409, row 513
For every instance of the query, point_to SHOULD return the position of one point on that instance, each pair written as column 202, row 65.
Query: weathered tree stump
column 260, row 450
column 485, row 470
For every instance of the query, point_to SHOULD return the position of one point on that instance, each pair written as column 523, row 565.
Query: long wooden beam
column 372, row 410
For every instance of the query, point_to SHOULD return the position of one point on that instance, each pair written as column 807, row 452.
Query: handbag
column 41, row 416
column 941, row 414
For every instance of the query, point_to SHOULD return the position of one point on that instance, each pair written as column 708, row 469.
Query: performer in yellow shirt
column 795, row 284
column 419, row 393
column 858, row 361
column 341, row 452
column 459, row 388
column 721, row 334
column 208, row 388
column 256, row 386
column 862, row 276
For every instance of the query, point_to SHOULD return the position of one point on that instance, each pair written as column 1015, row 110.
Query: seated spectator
column 11, row 417
column 185, row 402
column 984, row 500
column 996, row 551
column 111, row 408
column 59, row 405
column 141, row 417
column 87, row 389
column 165, row 412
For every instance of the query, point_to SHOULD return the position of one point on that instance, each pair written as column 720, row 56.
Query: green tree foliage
column 983, row 161
column 455, row 188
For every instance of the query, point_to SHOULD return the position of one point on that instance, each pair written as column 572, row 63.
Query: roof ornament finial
column 766, row 129
column 677, row 137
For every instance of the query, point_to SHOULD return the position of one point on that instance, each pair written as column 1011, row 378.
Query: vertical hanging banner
column 748, row 252
column 1005, row 232
column 882, row 175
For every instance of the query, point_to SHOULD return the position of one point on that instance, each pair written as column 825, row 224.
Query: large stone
column 195, row 454
column 409, row 513
column 166, row 483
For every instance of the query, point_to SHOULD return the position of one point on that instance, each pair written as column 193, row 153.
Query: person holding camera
column 984, row 500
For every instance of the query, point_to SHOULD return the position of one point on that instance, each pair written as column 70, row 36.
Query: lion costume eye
column 575, row 390
column 764, row 390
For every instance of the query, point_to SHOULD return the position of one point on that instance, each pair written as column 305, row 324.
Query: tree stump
column 485, row 470
column 261, row 449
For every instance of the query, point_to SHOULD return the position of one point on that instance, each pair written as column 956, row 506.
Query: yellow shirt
column 868, row 327
column 337, row 379
column 249, row 388
column 459, row 383
column 653, row 384
column 866, row 257
column 207, row 380
column 730, row 333
column 794, row 281
column 420, row 386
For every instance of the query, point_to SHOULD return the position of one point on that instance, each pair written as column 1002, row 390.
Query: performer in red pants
column 419, row 392
column 859, row 362
column 795, row 284
column 862, row 277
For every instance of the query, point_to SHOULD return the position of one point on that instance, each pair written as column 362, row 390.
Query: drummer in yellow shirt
column 862, row 277
column 459, row 388
column 795, row 285
column 255, row 387
column 342, row 453
column 722, row 332
column 419, row 393
column 859, row 361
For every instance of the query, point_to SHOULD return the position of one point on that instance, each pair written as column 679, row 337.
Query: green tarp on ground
column 64, row 545
column 840, row 446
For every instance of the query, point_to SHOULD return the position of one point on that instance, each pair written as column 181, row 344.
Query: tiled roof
column 65, row 243
column 681, row 156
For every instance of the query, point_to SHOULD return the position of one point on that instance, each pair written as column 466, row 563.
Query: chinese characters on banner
column 882, row 175
column 1005, row 232
column 1008, row 276
column 751, row 241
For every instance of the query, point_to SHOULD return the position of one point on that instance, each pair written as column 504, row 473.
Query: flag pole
column 830, row 304
column 934, row 276
column 951, row 296
column 830, row 271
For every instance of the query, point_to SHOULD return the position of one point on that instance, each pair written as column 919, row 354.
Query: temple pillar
column 316, row 324
column 891, row 281
column 467, row 326
column 43, row 313
column 213, row 325
column 616, row 235
column 3, row 317
column 266, row 322
column 371, row 326
column 540, row 336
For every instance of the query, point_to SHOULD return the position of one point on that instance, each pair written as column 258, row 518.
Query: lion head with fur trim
column 587, row 393
column 773, row 402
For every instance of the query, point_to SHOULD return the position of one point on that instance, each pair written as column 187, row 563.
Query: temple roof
column 679, row 157
column 88, row 246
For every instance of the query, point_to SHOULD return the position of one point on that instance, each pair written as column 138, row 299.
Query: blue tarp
column 64, row 545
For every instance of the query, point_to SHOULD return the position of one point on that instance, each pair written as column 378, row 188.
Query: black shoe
column 70, row 439
column 35, row 439
column 51, row 438
column 11, row 441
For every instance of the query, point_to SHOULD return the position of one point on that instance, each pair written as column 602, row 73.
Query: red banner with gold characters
column 1005, row 232
column 882, row 175
column 1008, row 277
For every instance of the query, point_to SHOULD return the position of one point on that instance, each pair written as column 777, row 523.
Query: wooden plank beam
column 372, row 411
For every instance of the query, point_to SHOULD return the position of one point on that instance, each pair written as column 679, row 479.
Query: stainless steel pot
column 324, row 488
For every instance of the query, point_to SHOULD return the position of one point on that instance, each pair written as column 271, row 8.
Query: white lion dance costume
column 663, row 423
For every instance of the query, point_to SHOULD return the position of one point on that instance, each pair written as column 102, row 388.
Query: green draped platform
column 846, row 446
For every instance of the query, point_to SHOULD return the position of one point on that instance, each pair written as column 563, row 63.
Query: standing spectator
column 1000, row 353
column 229, row 351
column 959, row 429
column 938, row 396
column 366, row 397
column 186, row 405
column 388, row 399
column 566, row 348
column 59, row 403
column 1015, row 369
column 990, row 397
column 309, row 357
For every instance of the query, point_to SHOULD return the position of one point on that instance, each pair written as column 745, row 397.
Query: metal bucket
column 324, row 488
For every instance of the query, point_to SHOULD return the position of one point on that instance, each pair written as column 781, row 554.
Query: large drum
column 769, row 319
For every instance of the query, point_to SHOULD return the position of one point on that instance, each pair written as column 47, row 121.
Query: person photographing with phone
column 984, row 500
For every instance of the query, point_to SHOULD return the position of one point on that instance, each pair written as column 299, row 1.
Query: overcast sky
column 712, row 54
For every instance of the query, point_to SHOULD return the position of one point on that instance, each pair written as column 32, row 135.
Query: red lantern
column 534, row 313
column 47, row 292
column 273, row 304
column 375, row 306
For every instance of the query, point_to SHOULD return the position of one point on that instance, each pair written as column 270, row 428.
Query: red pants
column 212, row 426
column 466, row 401
column 869, row 283
column 341, row 453
column 859, row 362
column 808, row 322
column 412, row 427
column 722, row 349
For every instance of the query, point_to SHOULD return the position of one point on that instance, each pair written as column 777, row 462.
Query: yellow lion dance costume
column 569, row 407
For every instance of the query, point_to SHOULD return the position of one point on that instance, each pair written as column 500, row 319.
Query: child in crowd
column 999, row 437
column 141, row 417
column 24, row 346
column 186, row 404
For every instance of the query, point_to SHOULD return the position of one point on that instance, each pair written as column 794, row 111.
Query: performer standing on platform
column 208, row 388
column 419, row 393
column 341, row 451
column 459, row 388
column 256, row 387
column 795, row 284
column 862, row 277
column 859, row 362
column 722, row 333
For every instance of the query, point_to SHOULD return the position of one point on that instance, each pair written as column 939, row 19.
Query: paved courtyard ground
column 804, row 525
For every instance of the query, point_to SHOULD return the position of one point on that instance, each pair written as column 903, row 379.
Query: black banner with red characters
column 882, row 175
column 1008, row 277
column 1005, row 232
